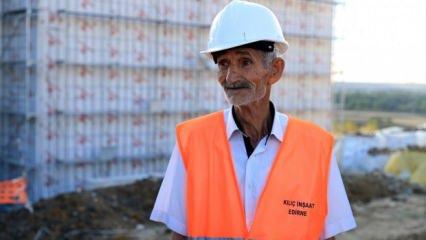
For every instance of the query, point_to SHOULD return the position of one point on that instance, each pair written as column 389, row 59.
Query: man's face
column 243, row 75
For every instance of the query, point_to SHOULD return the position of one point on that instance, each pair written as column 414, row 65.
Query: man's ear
column 277, row 69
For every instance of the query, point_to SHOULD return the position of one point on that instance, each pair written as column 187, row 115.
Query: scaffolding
column 91, row 90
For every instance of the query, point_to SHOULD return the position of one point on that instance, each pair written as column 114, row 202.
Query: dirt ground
column 98, row 214
column 384, row 207
column 402, row 217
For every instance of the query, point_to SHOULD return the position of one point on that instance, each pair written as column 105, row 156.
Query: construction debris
column 366, row 187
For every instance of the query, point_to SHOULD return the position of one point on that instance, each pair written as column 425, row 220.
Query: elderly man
column 250, row 172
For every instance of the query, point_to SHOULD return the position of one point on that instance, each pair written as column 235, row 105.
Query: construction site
column 91, row 92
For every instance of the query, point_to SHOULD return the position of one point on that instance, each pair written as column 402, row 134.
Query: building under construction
column 91, row 90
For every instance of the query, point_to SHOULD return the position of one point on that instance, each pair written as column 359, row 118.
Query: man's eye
column 246, row 62
column 222, row 64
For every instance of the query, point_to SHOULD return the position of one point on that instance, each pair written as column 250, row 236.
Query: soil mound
column 123, row 207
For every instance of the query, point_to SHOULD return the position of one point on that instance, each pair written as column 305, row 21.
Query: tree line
column 390, row 101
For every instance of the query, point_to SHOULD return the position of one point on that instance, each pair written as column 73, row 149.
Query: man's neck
column 254, row 119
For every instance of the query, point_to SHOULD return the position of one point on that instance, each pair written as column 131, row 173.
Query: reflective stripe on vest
column 293, row 204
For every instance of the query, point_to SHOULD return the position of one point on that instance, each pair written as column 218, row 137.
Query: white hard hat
column 241, row 23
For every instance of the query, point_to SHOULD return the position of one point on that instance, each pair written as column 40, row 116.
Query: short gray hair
column 268, row 57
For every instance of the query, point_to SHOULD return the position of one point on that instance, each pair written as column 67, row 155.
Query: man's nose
column 231, row 75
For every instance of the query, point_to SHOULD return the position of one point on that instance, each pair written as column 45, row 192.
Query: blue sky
column 382, row 41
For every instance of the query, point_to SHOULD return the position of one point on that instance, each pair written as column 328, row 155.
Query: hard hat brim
column 280, row 46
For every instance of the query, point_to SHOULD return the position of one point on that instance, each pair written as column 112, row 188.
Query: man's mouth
column 235, row 88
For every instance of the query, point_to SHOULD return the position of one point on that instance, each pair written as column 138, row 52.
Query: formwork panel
column 16, row 5
column 17, row 140
column 308, row 56
column 91, row 90
column 18, row 95
column 91, row 137
column 14, row 37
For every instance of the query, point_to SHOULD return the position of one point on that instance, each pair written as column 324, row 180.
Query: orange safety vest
column 293, row 204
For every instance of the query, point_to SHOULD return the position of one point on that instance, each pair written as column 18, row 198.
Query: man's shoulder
column 201, row 122
column 308, row 128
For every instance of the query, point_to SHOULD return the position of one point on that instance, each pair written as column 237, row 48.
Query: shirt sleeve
column 339, row 217
column 169, row 207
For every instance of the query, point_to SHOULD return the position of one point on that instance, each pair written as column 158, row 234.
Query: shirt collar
column 277, row 126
